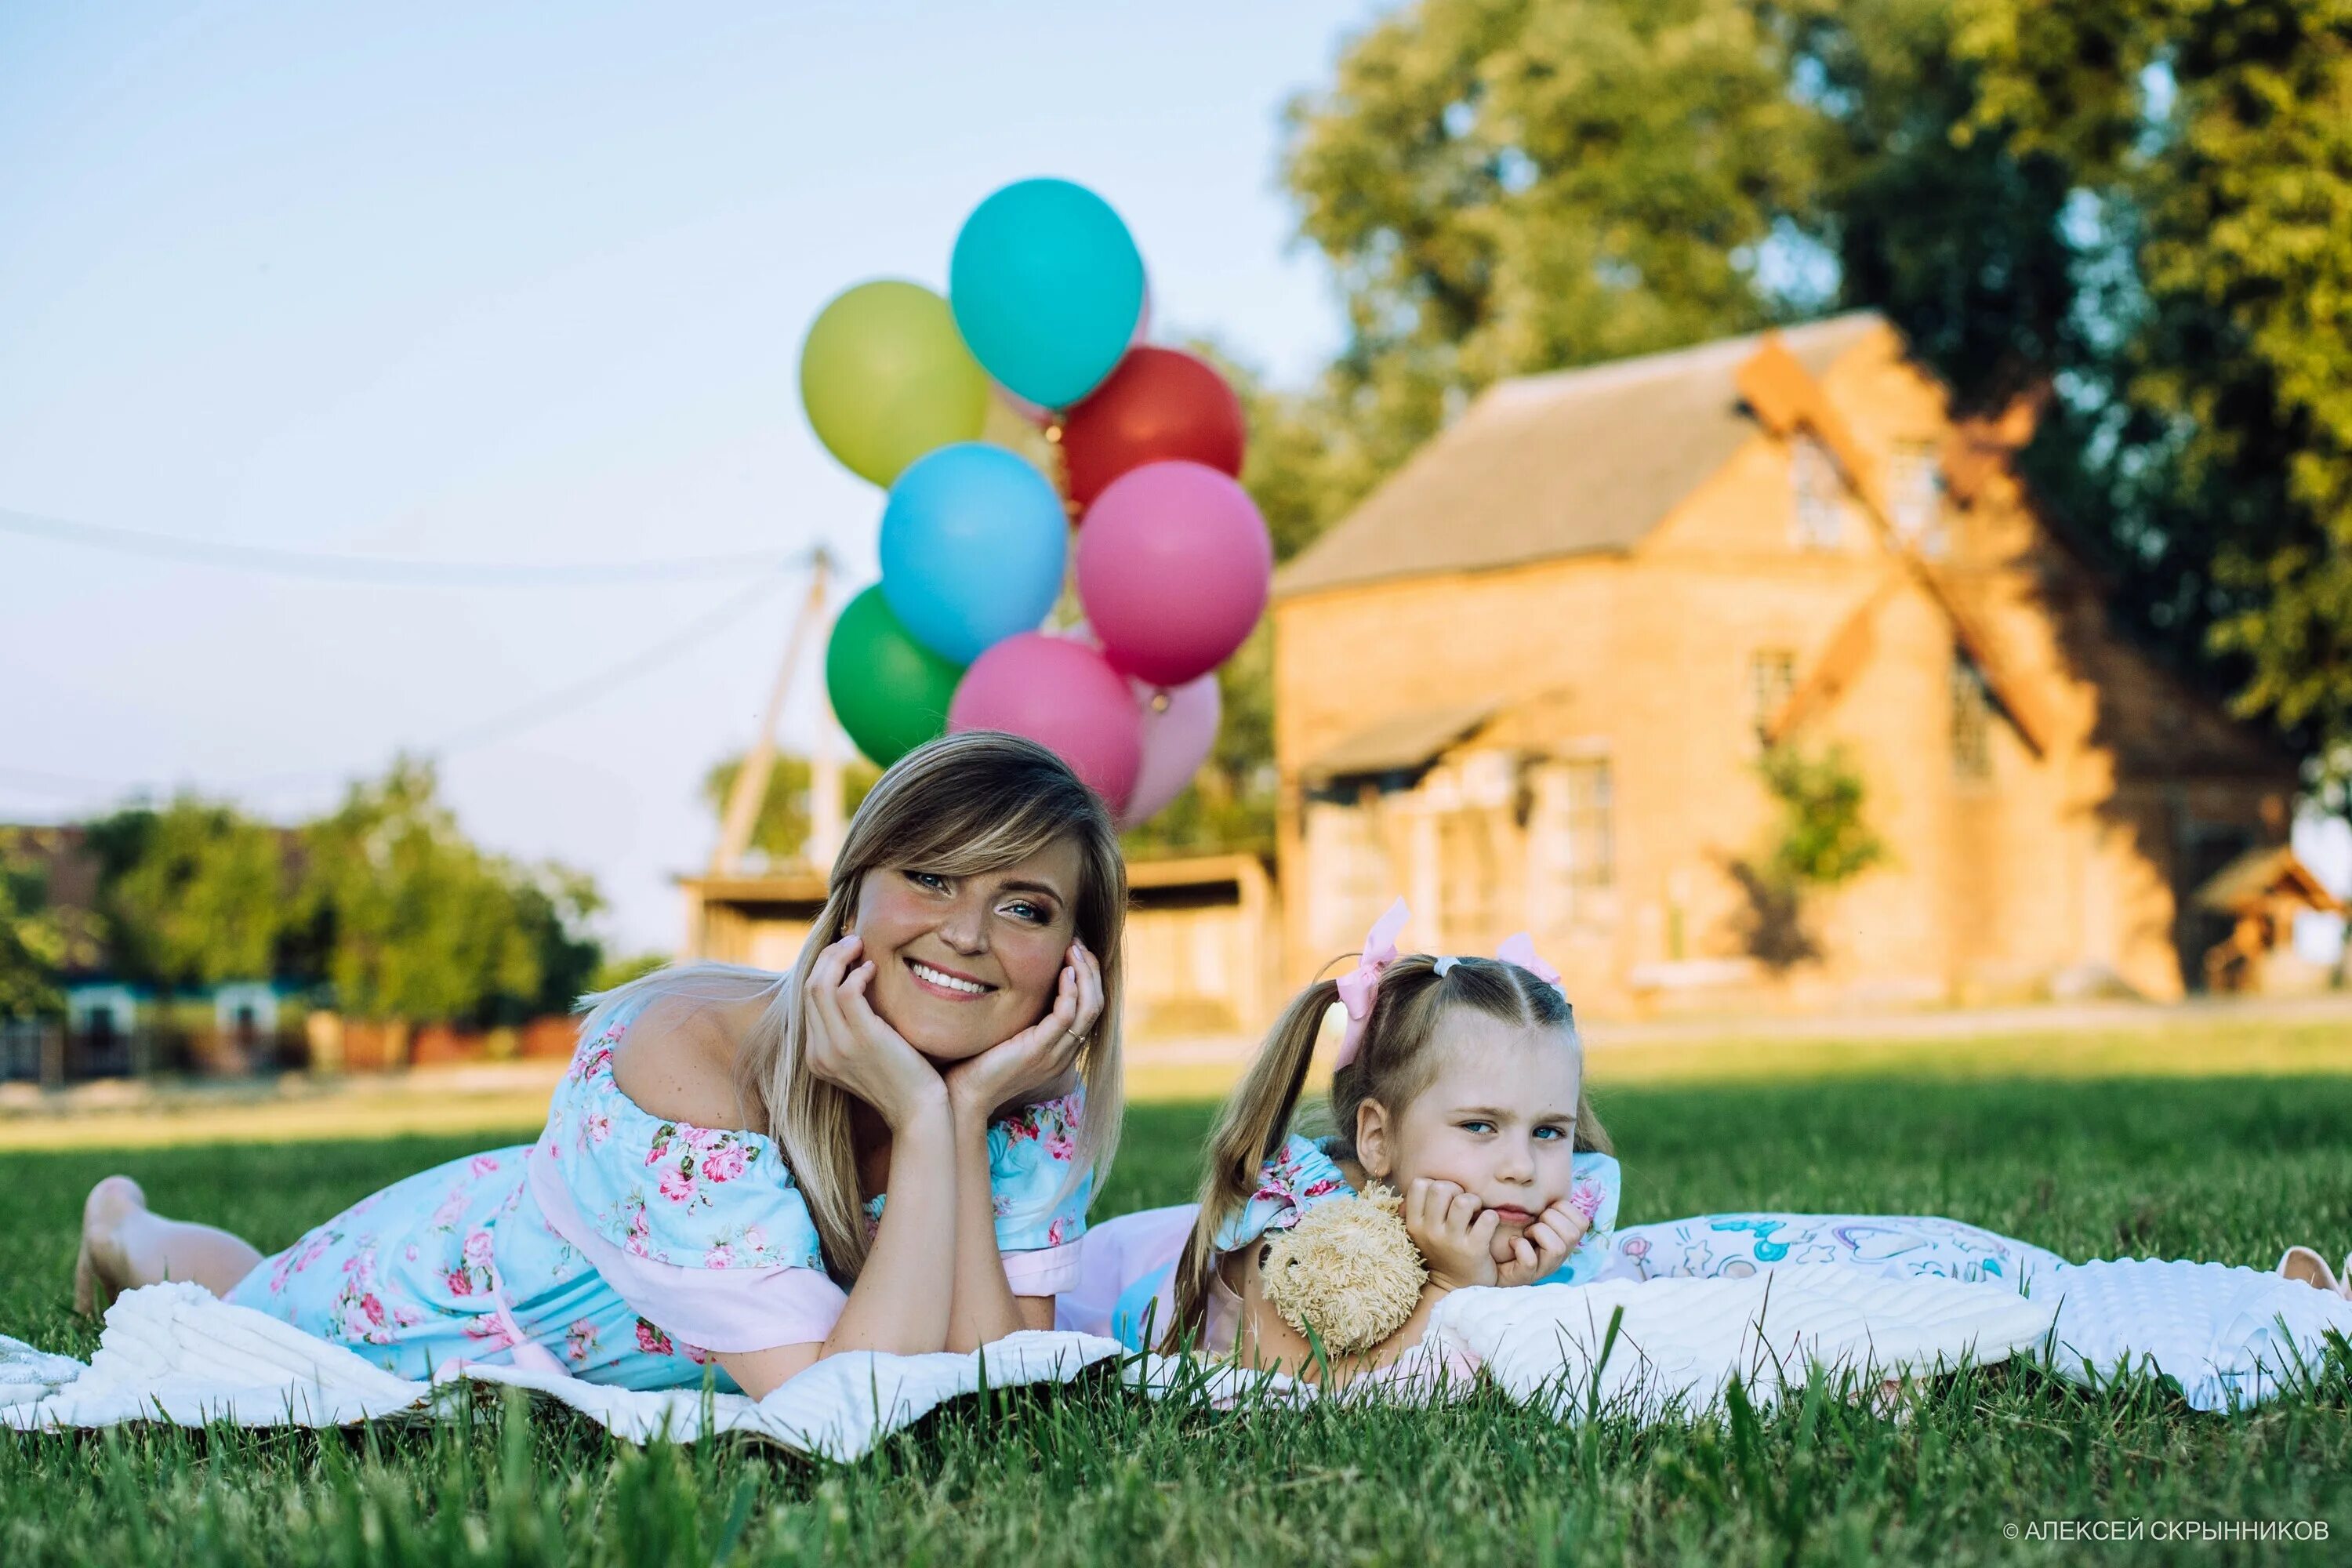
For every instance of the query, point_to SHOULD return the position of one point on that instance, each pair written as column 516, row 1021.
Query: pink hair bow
column 1519, row 948
column 1360, row 985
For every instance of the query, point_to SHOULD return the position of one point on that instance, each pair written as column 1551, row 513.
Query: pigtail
column 1250, row 1130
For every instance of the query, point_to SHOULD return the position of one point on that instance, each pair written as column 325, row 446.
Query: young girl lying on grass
column 1458, row 1082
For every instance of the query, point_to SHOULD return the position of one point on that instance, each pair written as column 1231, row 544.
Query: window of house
column 1916, row 491
column 1771, row 680
column 1820, row 493
column 1570, row 842
column 1350, row 880
column 1971, row 721
column 1591, row 844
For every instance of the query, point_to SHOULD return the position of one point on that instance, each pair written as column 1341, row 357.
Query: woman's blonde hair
column 1394, row 1064
column 962, row 805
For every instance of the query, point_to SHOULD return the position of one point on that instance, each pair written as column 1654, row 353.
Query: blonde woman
column 711, row 1185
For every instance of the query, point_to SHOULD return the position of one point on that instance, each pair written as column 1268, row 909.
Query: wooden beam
column 1787, row 399
column 751, row 787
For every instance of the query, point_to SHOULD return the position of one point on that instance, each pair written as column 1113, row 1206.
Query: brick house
column 1526, row 683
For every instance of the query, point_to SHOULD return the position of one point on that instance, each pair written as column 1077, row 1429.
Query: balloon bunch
column 1047, row 309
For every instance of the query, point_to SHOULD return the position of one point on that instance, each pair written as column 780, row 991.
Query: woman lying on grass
column 709, row 1185
column 1458, row 1082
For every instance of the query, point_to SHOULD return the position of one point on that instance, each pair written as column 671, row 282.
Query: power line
column 507, row 726
column 385, row 571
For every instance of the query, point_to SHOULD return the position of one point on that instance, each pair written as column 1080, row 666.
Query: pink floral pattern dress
column 623, row 1247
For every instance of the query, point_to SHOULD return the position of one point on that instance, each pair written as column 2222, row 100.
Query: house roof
column 1398, row 744
column 1561, row 464
column 2259, row 874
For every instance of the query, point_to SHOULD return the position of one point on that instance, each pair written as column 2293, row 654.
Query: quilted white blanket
column 2227, row 1336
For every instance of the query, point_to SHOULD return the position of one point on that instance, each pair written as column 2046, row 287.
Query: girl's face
column 962, row 963
column 1499, row 1121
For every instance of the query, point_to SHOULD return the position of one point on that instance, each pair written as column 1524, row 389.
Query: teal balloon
column 974, row 542
column 1046, row 287
column 890, row 691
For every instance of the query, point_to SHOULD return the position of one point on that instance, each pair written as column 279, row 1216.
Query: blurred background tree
column 412, row 920
column 195, row 894
column 780, row 831
column 32, row 939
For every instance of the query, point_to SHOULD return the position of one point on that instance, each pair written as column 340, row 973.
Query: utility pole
column 750, row 786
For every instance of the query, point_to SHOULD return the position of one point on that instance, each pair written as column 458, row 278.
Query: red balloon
column 1159, row 405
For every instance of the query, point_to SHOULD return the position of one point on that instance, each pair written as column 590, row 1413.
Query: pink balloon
column 1174, row 566
column 1064, row 695
column 1179, row 728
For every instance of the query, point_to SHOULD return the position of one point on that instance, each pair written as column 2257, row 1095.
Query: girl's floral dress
column 624, row 1248
column 1126, row 1278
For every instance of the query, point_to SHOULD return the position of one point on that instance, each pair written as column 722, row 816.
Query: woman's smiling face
column 963, row 962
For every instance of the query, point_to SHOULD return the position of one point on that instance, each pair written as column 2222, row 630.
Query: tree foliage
column 780, row 831
column 194, row 894
column 415, row 921
column 2218, row 402
column 1820, row 839
column 1504, row 186
column 32, row 939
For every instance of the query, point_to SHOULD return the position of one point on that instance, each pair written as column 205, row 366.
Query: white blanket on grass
column 2228, row 1336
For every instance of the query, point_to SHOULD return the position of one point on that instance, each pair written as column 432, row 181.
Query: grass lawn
column 2222, row 1168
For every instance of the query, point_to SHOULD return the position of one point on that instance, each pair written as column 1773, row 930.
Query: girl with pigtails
column 1458, row 1083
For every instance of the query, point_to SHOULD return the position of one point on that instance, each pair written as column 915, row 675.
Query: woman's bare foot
column 98, row 1268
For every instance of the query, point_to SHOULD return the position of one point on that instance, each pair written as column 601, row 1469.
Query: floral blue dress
column 1125, row 1279
column 625, row 1248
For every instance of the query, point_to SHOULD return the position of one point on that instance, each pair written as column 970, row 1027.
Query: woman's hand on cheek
column 1454, row 1232
column 1041, row 1055
column 848, row 1044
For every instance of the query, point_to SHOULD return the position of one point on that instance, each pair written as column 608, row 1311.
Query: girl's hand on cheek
column 1545, row 1245
column 1454, row 1232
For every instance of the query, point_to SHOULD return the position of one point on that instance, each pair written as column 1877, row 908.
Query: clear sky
column 514, row 283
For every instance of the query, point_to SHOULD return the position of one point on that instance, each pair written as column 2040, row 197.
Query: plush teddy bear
column 1347, row 1274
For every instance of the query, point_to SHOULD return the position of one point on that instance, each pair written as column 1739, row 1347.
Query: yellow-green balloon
column 886, row 378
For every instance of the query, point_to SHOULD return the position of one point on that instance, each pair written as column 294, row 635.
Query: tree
column 614, row 972
column 194, row 894
column 1821, row 840
column 32, row 939
column 2216, row 137
column 417, row 924
column 1507, row 185
column 780, row 830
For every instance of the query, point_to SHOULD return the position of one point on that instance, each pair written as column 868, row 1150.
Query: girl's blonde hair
column 1395, row 1062
column 962, row 805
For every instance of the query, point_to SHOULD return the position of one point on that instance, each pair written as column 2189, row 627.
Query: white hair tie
column 1446, row 963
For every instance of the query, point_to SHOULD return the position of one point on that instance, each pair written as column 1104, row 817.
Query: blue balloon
column 1047, row 286
column 973, row 545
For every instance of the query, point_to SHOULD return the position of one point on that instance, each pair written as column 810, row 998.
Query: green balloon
column 886, row 378
column 890, row 691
